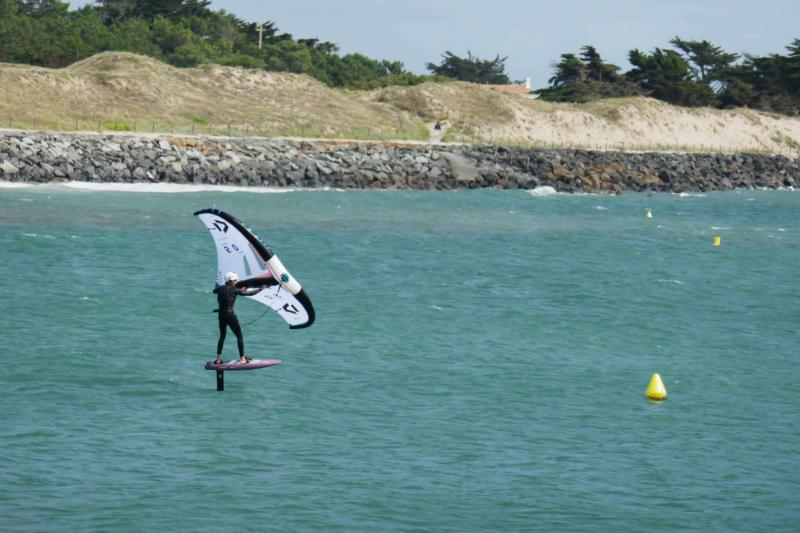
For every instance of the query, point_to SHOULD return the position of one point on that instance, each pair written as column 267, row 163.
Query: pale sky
column 532, row 33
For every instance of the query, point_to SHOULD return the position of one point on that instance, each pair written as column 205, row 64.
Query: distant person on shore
column 438, row 126
column 226, row 298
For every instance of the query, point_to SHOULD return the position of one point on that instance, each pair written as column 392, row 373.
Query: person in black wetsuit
column 226, row 297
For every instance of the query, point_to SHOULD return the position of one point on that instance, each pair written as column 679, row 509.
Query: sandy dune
column 123, row 92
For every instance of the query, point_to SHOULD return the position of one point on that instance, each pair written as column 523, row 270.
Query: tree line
column 693, row 73
column 188, row 33
column 183, row 33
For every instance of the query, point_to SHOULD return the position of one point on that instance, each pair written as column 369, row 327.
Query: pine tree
column 471, row 69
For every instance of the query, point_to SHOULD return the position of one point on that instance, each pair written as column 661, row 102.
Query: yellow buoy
column 717, row 241
column 649, row 214
column 656, row 389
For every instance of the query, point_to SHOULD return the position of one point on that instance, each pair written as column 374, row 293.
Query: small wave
column 544, row 190
column 34, row 235
column 14, row 185
column 169, row 187
column 27, row 200
column 720, row 228
column 37, row 236
column 601, row 208
column 781, row 230
column 437, row 308
column 675, row 281
column 690, row 195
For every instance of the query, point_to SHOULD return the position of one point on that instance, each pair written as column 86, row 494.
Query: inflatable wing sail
column 239, row 250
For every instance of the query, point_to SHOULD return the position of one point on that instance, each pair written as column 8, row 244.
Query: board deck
column 236, row 365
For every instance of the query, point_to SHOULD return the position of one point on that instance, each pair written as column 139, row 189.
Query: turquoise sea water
column 478, row 363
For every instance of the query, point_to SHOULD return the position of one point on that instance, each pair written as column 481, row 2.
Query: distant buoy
column 717, row 241
column 649, row 214
column 656, row 389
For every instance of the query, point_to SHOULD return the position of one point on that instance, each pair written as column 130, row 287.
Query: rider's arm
column 245, row 292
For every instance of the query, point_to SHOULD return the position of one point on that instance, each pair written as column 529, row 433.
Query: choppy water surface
column 478, row 364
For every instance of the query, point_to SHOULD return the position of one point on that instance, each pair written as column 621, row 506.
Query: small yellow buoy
column 656, row 389
column 649, row 214
column 717, row 241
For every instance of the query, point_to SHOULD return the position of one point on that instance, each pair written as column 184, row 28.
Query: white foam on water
column 601, row 208
column 171, row 188
column 690, row 195
column 14, row 185
column 781, row 230
column 544, row 190
column 152, row 187
column 30, row 235
column 27, row 200
column 719, row 228
column 675, row 281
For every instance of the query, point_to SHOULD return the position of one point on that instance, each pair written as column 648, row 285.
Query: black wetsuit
column 226, row 297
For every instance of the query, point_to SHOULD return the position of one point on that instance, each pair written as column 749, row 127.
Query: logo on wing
column 220, row 225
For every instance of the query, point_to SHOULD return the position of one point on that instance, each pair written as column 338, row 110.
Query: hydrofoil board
column 236, row 365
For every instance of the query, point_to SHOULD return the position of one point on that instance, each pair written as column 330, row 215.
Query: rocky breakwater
column 45, row 157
